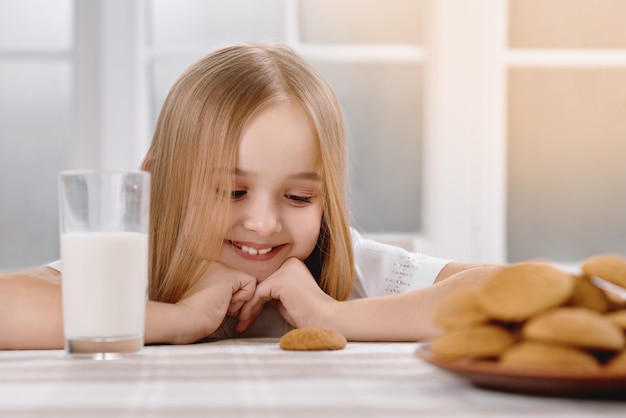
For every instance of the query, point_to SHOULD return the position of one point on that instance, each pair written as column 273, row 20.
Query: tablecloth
column 255, row 378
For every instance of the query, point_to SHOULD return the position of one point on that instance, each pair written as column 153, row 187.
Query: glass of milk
column 104, row 253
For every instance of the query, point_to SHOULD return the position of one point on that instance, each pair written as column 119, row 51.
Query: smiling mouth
column 250, row 250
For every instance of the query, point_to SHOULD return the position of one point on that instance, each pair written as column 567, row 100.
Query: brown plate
column 546, row 382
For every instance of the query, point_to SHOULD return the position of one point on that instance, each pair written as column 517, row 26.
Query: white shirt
column 381, row 269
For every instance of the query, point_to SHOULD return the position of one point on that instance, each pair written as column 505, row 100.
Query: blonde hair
column 194, row 152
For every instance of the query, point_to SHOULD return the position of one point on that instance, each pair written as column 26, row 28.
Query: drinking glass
column 104, row 218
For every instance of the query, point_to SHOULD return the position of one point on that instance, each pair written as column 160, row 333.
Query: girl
column 249, row 174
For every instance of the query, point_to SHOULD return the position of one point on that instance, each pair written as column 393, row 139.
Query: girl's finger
column 244, row 324
column 234, row 308
column 253, row 307
column 244, row 288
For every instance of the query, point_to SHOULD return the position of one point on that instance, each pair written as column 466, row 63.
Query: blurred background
column 480, row 130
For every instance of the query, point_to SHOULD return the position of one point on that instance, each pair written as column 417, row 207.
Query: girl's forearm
column 31, row 313
column 164, row 324
column 401, row 317
column 30, row 310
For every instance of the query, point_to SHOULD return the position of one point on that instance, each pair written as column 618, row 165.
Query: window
column 479, row 130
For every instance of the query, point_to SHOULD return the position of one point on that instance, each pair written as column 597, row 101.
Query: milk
column 102, row 270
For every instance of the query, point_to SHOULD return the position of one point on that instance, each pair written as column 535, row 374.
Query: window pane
column 567, row 24
column 212, row 22
column 382, row 105
column 567, row 177
column 362, row 21
column 36, row 24
column 35, row 125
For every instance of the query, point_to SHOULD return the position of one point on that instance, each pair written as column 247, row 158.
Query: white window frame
column 465, row 142
column 109, row 64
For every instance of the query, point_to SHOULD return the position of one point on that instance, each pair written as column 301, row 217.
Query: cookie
column 515, row 293
column 609, row 267
column 529, row 353
column 616, row 301
column 479, row 341
column 460, row 309
column 617, row 363
column 587, row 295
column 618, row 318
column 579, row 327
column 312, row 339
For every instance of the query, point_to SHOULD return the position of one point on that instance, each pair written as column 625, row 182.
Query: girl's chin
column 262, row 274
column 262, row 277
column 259, row 273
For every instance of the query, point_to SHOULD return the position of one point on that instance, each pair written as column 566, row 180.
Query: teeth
column 253, row 251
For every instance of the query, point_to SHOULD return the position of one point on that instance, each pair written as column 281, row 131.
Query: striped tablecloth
column 255, row 378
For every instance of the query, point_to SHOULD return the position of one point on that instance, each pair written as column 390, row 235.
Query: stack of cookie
column 534, row 314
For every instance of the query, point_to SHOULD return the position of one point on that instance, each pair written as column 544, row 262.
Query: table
column 255, row 378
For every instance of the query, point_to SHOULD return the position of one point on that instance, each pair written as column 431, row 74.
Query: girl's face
column 276, row 210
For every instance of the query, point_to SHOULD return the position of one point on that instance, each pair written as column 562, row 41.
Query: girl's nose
column 262, row 217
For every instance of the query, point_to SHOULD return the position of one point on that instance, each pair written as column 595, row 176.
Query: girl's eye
column 299, row 200
column 237, row 194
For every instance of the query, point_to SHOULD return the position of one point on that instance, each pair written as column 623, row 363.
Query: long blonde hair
column 194, row 152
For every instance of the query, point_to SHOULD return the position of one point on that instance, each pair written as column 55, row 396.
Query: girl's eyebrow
column 310, row 176
column 305, row 175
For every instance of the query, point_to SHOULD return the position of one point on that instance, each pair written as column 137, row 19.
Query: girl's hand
column 295, row 294
column 219, row 292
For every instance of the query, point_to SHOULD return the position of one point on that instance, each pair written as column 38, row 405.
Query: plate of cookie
column 536, row 329
column 541, row 381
